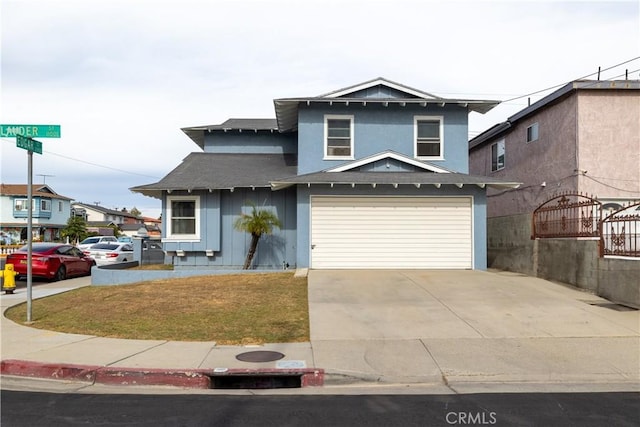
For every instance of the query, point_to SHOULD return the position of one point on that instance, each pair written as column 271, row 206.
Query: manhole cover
column 259, row 356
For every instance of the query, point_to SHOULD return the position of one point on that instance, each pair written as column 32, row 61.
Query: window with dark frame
column 338, row 137
column 532, row 133
column 497, row 156
column 428, row 138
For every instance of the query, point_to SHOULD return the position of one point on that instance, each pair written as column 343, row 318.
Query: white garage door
column 391, row 232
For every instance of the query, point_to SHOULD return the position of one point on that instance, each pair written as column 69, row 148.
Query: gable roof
column 214, row 171
column 37, row 190
column 389, row 154
column 549, row 100
column 287, row 108
column 103, row 210
column 380, row 82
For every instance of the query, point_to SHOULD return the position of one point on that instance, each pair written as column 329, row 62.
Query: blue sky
column 122, row 77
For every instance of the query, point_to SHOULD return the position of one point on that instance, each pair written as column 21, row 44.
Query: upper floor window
column 532, row 132
column 428, row 136
column 59, row 206
column 338, row 141
column 184, row 217
column 20, row 205
column 45, row 205
column 497, row 156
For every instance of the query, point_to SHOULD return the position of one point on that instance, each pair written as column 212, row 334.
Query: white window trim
column 183, row 237
column 537, row 127
column 328, row 117
column 416, row 119
column 504, row 149
column 45, row 205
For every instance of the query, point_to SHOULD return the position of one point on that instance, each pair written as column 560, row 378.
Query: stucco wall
column 609, row 143
column 544, row 167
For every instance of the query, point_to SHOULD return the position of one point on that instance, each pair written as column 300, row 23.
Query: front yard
column 229, row 309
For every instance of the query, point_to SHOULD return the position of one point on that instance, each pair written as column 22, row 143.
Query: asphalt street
column 512, row 409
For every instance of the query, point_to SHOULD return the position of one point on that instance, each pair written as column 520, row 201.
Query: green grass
column 228, row 309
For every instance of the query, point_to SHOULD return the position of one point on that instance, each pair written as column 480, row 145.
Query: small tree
column 75, row 230
column 135, row 212
column 259, row 222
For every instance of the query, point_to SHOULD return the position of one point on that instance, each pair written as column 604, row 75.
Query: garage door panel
column 391, row 232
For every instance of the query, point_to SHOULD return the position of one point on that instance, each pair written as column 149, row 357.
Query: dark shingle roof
column 196, row 133
column 214, row 171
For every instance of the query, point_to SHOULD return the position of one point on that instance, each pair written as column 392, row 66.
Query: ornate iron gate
column 620, row 232
column 567, row 215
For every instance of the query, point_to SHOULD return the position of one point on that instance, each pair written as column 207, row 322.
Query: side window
column 428, row 137
column 497, row 156
column 532, row 133
column 183, row 214
column 338, row 139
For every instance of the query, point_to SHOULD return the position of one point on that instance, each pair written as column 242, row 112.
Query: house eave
column 397, row 180
column 287, row 108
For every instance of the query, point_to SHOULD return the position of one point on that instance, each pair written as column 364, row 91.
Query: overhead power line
column 579, row 78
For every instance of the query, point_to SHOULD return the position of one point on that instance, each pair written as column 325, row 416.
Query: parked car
column 90, row 241
column 110, row 253
column 125, row 239
column 53, row 261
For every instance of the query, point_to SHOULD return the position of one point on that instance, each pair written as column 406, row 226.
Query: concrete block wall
column 619, row 280
column 509, row 244
column 572, row 261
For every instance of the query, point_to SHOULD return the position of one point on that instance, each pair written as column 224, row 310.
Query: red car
column 54, row 261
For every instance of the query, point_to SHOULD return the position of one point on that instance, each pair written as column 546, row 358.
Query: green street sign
column 29, row 144
column 31, row 131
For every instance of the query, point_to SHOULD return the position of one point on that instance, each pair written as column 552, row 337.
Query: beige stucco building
column 584, row 137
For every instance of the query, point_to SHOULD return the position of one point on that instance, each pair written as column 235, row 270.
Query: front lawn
column 228, row 309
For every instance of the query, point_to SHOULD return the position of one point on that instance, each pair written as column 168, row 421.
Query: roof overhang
column 287, row 108
column 375, row 179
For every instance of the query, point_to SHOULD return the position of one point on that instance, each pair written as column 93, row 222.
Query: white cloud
column 123, row 77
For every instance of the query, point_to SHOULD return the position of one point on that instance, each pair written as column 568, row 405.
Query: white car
column 110, row 253
column 90, row 241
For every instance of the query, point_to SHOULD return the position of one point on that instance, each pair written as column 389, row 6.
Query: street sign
column 32, row 131
column 29, row 144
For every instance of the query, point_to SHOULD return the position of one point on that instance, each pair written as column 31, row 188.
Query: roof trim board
column 377, row 82
column 388, row 155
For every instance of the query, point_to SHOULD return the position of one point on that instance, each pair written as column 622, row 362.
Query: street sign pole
column 24, row 139
column 29, row 232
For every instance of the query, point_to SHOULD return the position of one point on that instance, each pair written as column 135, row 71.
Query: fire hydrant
column 9, row 279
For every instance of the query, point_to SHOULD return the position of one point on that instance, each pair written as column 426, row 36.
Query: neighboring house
column 370, row 176
column 153, row 226
column 584, row 137
column 50, row 213
column 133, row 230
column 102, row 217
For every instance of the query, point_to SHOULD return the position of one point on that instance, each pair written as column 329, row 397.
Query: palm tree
column 259, row 222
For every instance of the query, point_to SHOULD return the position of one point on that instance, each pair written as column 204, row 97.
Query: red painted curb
column 199, row 378
column 132, row 376
column 58, row 371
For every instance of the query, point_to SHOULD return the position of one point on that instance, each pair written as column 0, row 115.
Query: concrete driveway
column 467, row 326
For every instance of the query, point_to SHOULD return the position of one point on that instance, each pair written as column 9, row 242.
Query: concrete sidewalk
column 448, row 331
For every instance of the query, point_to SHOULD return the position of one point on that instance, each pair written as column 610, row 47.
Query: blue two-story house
column 370, row 176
